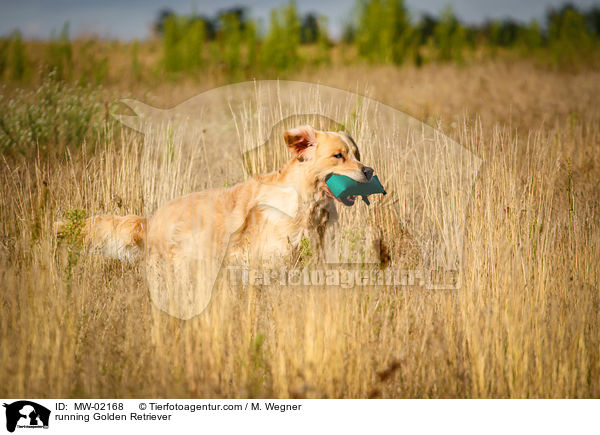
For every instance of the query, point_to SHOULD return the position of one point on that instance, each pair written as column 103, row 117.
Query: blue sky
column 132, row 19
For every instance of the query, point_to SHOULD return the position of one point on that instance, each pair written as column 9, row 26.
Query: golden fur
column 263, row 218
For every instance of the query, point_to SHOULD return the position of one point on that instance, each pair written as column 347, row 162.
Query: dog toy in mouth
column 343, row 187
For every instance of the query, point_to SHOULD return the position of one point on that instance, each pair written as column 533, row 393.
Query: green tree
column 193, row 41
column 383, row 32
column 172, row 56
column 323, row 42
column 280, row 47
column 568, row 36
column 18, row 63
column 530, row 38
column 251, row 40
column 230, row 37
column 449, row 37
column 60, row 54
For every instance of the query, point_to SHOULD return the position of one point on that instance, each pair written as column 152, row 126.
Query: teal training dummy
column 343, row 187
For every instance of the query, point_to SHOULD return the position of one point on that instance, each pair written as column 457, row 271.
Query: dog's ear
column 299, row 139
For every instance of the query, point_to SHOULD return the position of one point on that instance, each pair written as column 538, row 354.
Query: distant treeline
column 236, row 43
column 385, row 32
column 379, row 31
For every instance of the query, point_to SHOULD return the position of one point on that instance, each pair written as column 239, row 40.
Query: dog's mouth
column 346, row 200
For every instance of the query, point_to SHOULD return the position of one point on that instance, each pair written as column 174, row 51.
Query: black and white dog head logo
column 26, row 414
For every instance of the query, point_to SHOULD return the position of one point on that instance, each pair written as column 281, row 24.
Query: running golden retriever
column 264, row 216
column 260, row 221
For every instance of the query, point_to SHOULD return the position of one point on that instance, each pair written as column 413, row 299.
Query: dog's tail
column 119, row 237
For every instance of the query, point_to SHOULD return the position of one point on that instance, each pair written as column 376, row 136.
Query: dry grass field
column 525, row 322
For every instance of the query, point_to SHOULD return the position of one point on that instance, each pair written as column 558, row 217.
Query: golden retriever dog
column 260, row 221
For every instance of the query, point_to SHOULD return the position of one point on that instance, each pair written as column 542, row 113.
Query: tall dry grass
column 525, row 322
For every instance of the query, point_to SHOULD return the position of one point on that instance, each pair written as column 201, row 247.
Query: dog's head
column 323, row 153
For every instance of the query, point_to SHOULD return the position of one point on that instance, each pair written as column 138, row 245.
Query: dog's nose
column 368, row 172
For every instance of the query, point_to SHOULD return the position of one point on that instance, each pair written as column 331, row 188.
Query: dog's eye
column 338, row 155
